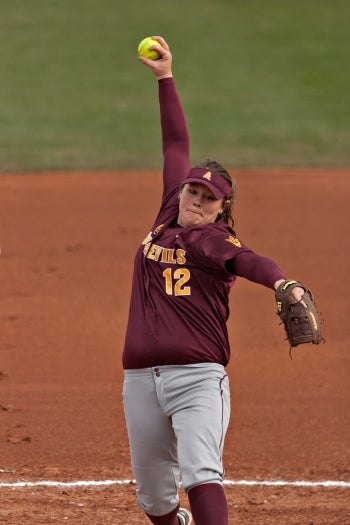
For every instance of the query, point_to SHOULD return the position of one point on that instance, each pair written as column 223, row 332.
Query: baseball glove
column 301, row 320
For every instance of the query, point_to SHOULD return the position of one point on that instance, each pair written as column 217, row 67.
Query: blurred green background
column 262, row 82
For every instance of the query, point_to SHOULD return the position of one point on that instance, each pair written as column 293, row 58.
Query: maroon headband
column 218, row 185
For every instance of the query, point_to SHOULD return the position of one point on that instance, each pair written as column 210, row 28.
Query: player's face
column 197, row 205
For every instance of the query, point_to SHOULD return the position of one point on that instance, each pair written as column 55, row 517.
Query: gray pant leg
column 152, row 444
column 200, row 424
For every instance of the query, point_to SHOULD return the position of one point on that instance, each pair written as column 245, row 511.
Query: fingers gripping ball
column 145, row 51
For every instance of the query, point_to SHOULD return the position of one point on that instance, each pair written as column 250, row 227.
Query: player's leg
column 200, row 426
column 152, row 448
column 208, row 504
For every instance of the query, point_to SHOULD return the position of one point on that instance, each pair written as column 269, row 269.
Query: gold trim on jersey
column 147, row 239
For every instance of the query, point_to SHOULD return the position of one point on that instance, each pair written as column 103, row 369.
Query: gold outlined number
column 175, row 284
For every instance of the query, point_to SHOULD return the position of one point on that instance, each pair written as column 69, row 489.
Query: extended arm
column 256, row 268
column 175, row 139
column 261, row 270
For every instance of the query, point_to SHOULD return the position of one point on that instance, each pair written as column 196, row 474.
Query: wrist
column 278, row 283
column 166, row 75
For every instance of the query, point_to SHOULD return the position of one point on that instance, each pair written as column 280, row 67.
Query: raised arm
column 175, row 138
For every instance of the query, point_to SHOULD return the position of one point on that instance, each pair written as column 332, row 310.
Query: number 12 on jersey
column 175, row 281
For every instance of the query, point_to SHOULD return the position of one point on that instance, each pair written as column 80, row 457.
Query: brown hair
column 227, row 214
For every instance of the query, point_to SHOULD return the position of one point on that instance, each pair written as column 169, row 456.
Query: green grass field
column 262, row 82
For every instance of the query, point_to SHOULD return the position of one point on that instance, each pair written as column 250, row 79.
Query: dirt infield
column 67, row 243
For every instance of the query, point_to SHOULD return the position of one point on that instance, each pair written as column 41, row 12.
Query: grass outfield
column 262, row 82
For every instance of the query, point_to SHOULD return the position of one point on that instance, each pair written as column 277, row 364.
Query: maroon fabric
column 217, row 184
column 256, row 268
column 208, row 504
column 182, row 276
column 167, row 519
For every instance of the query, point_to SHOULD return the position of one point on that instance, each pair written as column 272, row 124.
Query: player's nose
column 195, row 200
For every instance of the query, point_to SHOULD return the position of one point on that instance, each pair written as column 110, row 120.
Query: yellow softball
column 144, row 48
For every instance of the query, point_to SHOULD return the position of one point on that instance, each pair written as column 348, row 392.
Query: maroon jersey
column 182, row 276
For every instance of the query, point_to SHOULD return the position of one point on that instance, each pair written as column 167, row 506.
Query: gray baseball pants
column 176, row 418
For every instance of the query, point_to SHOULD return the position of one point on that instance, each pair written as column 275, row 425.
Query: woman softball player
column 176, row 391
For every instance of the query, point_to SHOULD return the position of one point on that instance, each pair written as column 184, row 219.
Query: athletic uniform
column 176, row 390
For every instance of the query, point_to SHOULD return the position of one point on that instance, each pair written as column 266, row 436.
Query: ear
column 226, row 204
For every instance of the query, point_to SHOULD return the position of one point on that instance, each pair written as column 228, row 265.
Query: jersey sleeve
column 220, row 249
column 256, row 268
column 214, row 245
column 175, row 137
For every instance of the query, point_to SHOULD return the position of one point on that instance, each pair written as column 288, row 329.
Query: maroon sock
column 208, row 504
column 166, row 519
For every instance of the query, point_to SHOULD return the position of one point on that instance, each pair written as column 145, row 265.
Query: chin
column 194, row 222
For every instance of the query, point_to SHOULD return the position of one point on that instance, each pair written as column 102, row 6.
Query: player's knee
column 156, row 506
column 193, row 479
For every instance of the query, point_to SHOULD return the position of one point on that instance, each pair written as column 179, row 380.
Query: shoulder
column 217, row 233
column 214, row 241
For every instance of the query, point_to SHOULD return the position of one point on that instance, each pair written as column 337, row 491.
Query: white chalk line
column 111, row 482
